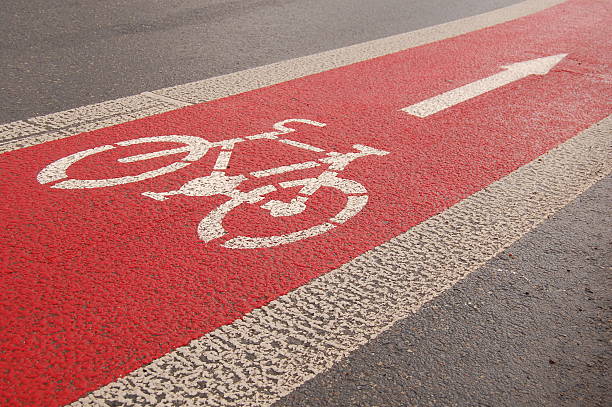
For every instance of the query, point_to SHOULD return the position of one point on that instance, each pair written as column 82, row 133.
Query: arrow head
column 538, row 66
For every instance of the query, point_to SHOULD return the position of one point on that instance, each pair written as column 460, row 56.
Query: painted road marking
column 511, row 73
column 274, row 349
column 285, row 168
column 132, row 281
column 302, row 145
column 54, row 126
column 57, row 170
column 219, row 183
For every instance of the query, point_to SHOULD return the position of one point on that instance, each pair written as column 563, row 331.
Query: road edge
column 24, row 133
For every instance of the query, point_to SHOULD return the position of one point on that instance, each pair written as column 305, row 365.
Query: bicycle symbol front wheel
column 211, row 227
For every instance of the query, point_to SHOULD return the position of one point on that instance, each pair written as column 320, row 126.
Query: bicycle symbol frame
column 218, row 182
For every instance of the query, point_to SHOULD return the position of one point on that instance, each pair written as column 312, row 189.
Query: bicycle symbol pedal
column 218, row 182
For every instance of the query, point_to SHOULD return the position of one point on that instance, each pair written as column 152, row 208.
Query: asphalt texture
column 56, row 55
column 530, row 328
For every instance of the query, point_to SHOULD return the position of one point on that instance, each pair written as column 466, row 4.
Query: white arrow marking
column 513, row 72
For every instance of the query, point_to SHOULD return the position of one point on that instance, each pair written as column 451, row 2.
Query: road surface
column 306, row 203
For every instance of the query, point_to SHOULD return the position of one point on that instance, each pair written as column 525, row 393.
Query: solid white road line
column 285, row 168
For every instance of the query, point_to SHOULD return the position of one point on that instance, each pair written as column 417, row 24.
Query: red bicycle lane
column 100, row 281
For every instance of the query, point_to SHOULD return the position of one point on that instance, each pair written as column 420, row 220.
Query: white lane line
column 19, row 134
column 285, row 168
column 274, row 349
column 512, row 73
column 19, row 129
column 178, row 103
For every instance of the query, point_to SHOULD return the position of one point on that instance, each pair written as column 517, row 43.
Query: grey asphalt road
column 531, row 328
column 56, row 54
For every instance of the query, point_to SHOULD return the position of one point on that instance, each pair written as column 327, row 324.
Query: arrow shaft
column 463, row 93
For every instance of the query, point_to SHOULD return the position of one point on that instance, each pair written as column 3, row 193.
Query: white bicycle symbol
column 219, row 183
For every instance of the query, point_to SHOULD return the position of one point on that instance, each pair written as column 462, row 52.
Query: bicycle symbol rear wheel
column 196, row 148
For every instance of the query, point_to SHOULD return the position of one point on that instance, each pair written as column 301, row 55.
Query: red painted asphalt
column 97, row 282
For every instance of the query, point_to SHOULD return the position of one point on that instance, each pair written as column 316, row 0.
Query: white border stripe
column 273, row 350
column 54, row 126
